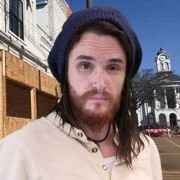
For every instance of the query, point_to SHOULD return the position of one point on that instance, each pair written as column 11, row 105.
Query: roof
column 167, row 78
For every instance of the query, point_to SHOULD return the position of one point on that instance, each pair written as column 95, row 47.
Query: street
column 169, row 149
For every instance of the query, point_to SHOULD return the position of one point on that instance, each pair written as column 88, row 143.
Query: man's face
column 96, row 62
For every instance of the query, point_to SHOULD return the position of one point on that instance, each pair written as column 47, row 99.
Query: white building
column 27, row 88
column 165, row 110
column 28, row 28
column 51, row 15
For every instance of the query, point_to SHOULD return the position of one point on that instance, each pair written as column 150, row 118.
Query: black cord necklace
column 101, row 140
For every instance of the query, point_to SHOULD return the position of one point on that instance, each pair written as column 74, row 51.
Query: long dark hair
column 130, row 142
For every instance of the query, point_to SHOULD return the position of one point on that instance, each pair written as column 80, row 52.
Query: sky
column 156, row 23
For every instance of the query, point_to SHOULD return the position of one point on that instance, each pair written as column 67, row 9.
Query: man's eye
column 85, row 66
column 113, row 68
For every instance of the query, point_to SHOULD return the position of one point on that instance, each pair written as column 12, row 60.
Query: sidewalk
column 169, row 175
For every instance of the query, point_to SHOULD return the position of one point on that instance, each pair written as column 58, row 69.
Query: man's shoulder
column 149, row 143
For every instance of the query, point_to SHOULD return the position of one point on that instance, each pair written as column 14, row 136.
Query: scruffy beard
column 94, row 119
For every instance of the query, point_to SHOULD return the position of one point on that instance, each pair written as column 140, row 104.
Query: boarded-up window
column 45, row 103
column 18, row 102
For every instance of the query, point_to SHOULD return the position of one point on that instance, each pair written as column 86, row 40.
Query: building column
column 175, row 92
column 178, row 95
column 33, row 104
column 165, row 99
column 2, row 93
column 155, row 100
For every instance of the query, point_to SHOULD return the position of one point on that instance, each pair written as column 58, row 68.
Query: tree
column 143, row 84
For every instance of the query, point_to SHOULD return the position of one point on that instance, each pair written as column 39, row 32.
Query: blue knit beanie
column 56, row 58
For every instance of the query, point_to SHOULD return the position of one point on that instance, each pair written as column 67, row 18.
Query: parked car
column 152, row 130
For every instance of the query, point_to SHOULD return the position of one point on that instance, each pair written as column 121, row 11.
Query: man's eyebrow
column 84, row 57
column 117, row 60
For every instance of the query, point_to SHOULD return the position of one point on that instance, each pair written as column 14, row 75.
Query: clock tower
column 163, row 61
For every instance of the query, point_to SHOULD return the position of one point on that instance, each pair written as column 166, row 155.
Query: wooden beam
column 33, row 104
column 2, row 94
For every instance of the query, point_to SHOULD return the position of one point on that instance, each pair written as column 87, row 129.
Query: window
column 16, row 17
column 160, row 95
column 39, row 2
column 171, row 99
column 166, row 65
column 161, row 66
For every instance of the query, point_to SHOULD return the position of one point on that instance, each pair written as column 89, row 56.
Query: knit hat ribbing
column 57, row 54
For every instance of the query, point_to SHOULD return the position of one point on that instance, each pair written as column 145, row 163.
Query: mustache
column 93, row 92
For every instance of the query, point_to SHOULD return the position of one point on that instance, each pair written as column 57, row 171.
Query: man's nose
column 99, row 80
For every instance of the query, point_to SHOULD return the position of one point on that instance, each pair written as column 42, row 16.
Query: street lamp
column 88, row 3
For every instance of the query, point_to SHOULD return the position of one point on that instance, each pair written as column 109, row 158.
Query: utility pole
column 89, row 3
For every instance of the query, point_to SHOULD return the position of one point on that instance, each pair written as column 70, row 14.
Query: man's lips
column 98, row 98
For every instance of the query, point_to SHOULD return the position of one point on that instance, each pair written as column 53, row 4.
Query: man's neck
column 98, row 135
column 107, row 147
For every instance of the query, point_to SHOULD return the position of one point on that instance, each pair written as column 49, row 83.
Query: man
column 92, row 133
